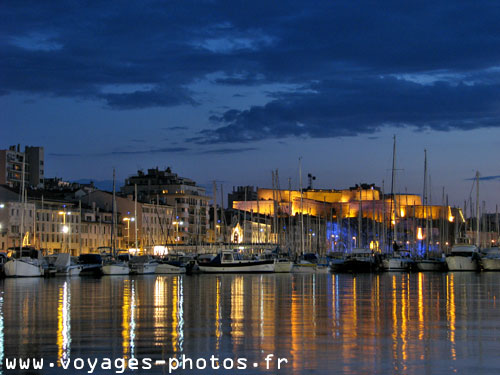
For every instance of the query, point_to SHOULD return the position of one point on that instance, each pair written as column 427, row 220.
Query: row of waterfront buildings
column 157, row 210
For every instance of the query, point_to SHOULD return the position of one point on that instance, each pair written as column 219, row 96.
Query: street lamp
column 65, row 228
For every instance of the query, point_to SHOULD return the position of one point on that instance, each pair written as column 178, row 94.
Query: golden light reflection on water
column 384, row 323
column 128, row 319
column 420, row 305
column 1, row 333
column 237, row 309
column 451, row 311
column 64, row 324
column 218, row 317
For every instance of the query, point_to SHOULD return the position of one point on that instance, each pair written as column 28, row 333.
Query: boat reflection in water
column 368, row 323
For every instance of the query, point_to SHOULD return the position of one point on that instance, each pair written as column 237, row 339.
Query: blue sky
column 230, row 90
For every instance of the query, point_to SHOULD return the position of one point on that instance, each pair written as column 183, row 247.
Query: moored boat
column 490, row 259
column 66, row 266
column 228, row 261
column 167, row 267
column 463, row 257
column 360, row 260
column 398, row 261
column 25, row 262
column 431, row 264
column 92, row 264
column 118, row 266
column 143, row 265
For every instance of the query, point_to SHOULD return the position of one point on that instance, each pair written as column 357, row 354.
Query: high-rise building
column 11, row 166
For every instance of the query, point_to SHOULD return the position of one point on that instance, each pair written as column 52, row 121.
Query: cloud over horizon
column 434, row 65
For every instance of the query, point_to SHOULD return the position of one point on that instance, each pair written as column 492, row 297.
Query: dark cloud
column 151, row 98
column 163, row 150
column 174, row 128
column 364, row 105
column 226, row 151
column 78, row 50
column 485, row 178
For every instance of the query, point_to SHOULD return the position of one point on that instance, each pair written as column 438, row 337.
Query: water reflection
column 386, row 323
column 1, row 333
column 64, row 324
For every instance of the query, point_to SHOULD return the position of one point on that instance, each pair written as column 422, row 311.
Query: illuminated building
column 332, row 216
column 189, row 201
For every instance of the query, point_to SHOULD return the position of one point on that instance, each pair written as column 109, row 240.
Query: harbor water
column 387, row 323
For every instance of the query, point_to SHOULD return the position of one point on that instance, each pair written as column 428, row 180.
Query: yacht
column 118, row 266
column 336, row 263
column 282, row 264
column 24, row 262
column 143, row 265
column 168, row 267
column 65, row 265
column 435, row 264
column 463, row 257
column 490, row 259
column 92, row 264
column 399, row 261
column 228, row 261
column 360, row 260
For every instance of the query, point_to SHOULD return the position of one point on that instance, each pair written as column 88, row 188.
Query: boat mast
column 215, row 211
column 135, row 215
column 393, row 198
column 113, row 218
column 477, row 210
column 358, row 244
column 425, row 205
column 23, row 203
column 301, row 208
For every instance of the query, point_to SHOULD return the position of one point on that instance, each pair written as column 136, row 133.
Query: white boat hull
column 283, row 267
column 19, row 268
column 304, row 268
column 491, row 264
column 430, row 265
column 164, row 268
column 461, row 263
column 395, row 264
column 144, row 269
column 71, row 271
column 268, row 267
column 115, row 269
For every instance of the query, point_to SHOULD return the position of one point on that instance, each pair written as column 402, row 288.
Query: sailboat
column 399, row 260
column 428, row 263
column 303, row 265
column 25, row 261
column 115, row 266
column 464, row 256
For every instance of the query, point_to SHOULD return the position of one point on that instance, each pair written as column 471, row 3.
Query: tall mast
column 23, row 200
column 215, row 211
column 301, row 208
column 477, row 209
column 113, row 217
column 135, row 215
column 358, row 243
column 393, row 198
column 425, row 204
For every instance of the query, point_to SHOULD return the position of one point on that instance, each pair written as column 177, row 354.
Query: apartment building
column 11, row 166
column 188, row 200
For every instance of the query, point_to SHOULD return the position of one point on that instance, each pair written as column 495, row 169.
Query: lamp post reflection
column 128, row 319
column 1, row 334
column 64, row 324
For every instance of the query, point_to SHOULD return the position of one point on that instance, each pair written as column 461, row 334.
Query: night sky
column 230, row 90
